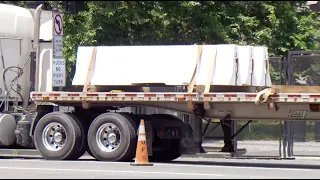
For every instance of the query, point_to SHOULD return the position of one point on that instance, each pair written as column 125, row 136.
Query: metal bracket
column 241, row 129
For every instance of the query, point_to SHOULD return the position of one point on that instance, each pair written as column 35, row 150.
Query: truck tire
column 164, row 156
column 113, row 137
column 85, row 121
column 174, row 151
column 84, row 146
column 58, row 136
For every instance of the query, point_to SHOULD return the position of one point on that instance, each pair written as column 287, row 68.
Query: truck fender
column 41, row 111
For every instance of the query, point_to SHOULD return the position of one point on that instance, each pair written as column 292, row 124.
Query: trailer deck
column 264, row 105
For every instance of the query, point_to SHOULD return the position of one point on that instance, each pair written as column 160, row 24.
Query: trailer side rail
column 170, row 97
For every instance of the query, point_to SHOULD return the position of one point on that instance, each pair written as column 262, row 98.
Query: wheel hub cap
column 54, row 136
column 108, row 137
column 58, row 137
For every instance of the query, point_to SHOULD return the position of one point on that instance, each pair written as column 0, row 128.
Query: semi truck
column 63, row 125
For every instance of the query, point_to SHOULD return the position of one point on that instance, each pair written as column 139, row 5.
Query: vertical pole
column 289, row 123
column 290, row 142
column 55, row 6
column 36, row 18
column 286, row 139
column 234, row 140
column 280, row 139
column 196, row 124
column 54, row 9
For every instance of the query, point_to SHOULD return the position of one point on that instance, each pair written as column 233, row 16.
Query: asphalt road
column 88, row 168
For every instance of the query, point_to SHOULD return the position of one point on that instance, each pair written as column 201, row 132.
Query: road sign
column 58, row 72
column 58, row 62
column 57, row 46
column 58, row 24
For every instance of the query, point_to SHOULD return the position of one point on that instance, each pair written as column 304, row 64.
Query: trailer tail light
column 314, row 107
column 161, row 132
column 168, row 133
column 177, row 133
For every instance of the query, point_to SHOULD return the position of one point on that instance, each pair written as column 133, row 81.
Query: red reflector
column 190, row 95
column 210, row 95
column 74, row 95
column 230, row 95
column 251, row 95
column 37, row 95
column 150, row 95
column 131, row 95
column 169, row 95
column 294, row 96
column 54, row 94
column 113, row 95
column 92, row 95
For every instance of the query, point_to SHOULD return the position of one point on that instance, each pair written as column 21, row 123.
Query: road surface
column 88, row 168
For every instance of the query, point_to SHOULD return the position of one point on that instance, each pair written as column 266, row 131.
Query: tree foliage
column 280, row 25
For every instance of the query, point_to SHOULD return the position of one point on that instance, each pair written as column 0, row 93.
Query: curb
column 250, row 163
column 19, row 152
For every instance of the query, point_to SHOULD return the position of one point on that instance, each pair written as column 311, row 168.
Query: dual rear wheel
column 113, row 137
column 109, row 137
column 59, row 136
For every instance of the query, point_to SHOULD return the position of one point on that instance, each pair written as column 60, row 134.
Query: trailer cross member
column 241, row 129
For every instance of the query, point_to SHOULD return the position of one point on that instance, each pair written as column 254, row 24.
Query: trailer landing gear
column 226, row 124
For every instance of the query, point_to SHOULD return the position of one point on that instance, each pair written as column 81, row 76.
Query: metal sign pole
column 58, row 62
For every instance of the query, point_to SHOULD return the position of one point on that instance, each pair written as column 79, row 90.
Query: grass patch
column 15, row 152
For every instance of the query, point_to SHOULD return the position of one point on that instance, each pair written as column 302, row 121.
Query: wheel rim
column 108, row 137
column 54, row 136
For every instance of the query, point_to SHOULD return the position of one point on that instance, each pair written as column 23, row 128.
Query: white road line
column 177, row 165
column 109, row 171
column 238, row 167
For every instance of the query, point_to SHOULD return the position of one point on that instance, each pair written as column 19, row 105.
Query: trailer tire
column 78, row 152
column 174, row 151
column 123, row 127
column 85, row 121
column 162, row 156
column 74, row 140
column 166, row 155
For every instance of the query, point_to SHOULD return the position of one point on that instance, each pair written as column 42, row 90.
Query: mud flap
column 187, row 145
column 149, row 136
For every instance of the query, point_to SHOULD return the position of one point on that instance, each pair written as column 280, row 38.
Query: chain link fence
column 304, row 70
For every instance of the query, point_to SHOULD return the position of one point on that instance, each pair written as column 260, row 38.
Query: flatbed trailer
column 167, row 136
column 264, row 105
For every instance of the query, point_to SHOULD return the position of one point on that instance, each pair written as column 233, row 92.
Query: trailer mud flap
column 187, row 145
column 149, row 136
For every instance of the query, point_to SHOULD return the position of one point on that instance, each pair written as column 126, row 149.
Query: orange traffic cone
column 142, row 150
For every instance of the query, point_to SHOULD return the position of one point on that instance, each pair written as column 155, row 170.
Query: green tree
column 280, row 25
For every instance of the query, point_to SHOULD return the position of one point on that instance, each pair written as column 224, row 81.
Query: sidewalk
column 269, row 148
